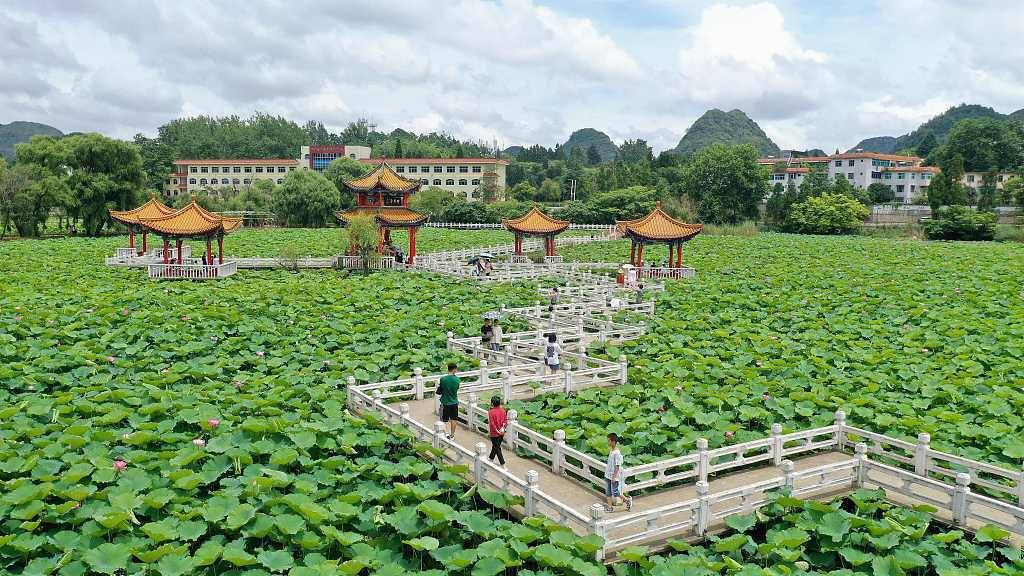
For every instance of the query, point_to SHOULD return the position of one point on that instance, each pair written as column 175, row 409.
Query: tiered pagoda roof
column 192, row 220
column 153, row 208
column 383, row 177
column 391, row 216
column 535, row 222
column 658, row 226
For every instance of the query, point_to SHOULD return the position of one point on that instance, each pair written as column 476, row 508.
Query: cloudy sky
column 813, row 73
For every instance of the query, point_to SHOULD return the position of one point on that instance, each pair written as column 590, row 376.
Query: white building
column 903, row 174
column 460, row 175
column 192, row 175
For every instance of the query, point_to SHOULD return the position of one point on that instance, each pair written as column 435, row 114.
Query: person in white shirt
column 613, row 480
column 496, row 334
column 552, row 353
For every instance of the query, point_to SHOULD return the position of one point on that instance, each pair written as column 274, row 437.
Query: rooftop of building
column 435, row 160
column 932, row 169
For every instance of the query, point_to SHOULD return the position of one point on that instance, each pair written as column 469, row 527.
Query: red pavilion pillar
column 640, row 256
column 670, row 248
column 167, row 249
column 144, row 247
column 632, row 252
column 679, row 255
column 412, row 245
column 178, row 245
column 131, row 237
column 220, row 249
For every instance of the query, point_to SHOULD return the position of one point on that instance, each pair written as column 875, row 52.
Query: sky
column 813, row 73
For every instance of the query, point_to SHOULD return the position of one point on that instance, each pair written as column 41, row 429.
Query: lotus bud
column 729, row 433
column 199, row 442
column 213, row 422
column 259, row 353
column 111, row 359
column 120, row 465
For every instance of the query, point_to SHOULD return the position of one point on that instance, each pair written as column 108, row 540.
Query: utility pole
column 572, row 189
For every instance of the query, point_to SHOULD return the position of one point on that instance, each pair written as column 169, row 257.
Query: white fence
column 481, row 226
column 191, row 271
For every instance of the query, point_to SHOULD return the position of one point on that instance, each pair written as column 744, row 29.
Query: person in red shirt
column 497, row 419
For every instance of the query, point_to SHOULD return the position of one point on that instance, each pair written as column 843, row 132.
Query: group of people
column 491, row 334
column 497, row 426
column 483, row 267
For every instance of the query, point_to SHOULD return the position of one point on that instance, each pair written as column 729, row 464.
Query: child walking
column 497, row 420
column 613, row 479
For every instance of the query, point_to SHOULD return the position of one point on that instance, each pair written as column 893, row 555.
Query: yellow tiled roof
column 659, row 226
column 397, row 216
column 382, row 177
column 192, row 220
column 151, row 209
column 535, row 222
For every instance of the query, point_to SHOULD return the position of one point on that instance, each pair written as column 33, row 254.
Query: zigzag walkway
column 684, row 496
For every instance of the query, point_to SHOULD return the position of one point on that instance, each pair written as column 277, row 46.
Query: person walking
column 553, row 298
column 496, row 334
column 613, row 480
column 639, row 293
column 486, row 335
column 553, row 353
column 497, row 420
column 448, row 390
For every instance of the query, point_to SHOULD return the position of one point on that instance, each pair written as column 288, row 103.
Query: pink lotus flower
column 729, row 433
column 199, row 442
column 184, row 318
column 124, row 311
column 111, row 359
column 661, row 408
column 766, row 396
column 259, row 353
column 17, row 318
column 213, row 422
column 120, row 465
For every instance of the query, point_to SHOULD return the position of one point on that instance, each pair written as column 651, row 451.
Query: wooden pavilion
column 191, row 222
column 384, row 194
column 152, row 208
column 658, row 228
column 537, row 224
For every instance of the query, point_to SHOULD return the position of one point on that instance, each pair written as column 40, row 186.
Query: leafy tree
column 880, row 193
column 984, row 144
column 362, row 233
column 577, row 159
column 611, row 206
column 944, row 191
column 827, row 214
column 726, row 183
column 467, row 211
column 960, row 223
column 522, row 192
column 398, row 148
column 1013, row 191
column 357, row 133
column 550, row 191
column 815, row 183
column 340, row 170
column 927, row 145
column 780, row 202
column 636, row 151
column 27, row 194
column 499, row 211
column 593, row 156
column 305, row 199
column 432, row 201
column 987, row 193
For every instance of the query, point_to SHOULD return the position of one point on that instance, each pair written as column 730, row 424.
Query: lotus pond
column 199, row 428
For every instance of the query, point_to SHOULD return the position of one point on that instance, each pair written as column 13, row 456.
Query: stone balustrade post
column 471, row 420
column 921, row 449
column 558, row 452
column 508, row 354
column 483, row 373
column 478, row 462
column 579, row 328
column 378, row 402
column 506, row 387
column 512, row 429
column 1020, row 489
column 532, row 481
column 788, row 474
column 350, row 384
column 567, row 378
column 451, row 340
column 438, row 434
column 623, row 367
column 596, row 513
column 840, row 434
column 403, row 409
column 963, row 488
column 702, row 459
column 417, row 377
column 703, row 508
column 777, row 447
column 536, row 309
column 861, row 473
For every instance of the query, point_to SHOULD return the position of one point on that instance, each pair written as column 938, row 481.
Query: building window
column 476, row 169
column 399, row 168
column 191, row 180
column 226, row 169
column 888, row 175
column 279, row 180
column 204, row 169
column 424, row 169
column 270, row 169
column 248, row 169
column 259, row 169
column 305, row 156
column 193, row 169
column 236, row 169
column 202, row 181
column 437, row 181
column 462, row 182
column 352, row 156
column 839, row 163
column 224, row 181
column 292, row 168
column 476, row 182
column 412, row 169
column 424, row 181
column 235, row 181
column 449, row 182
column 246, row 181
column 970, row 177
column 463, row 168
column 900, row 176
column 899, row 188
column 215, row 169
column 280, row 169
column 849, row 162
column 438, row 169
column 449, row 169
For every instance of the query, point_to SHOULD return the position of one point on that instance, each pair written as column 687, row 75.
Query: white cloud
column 892, row 117
column 743, row 56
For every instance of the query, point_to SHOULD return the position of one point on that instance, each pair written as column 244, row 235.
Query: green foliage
column 725, row 128
column 940, row 126
column 363, row 234
column 585, row 138
column 880, row 193
column 611, row 206
column 826, row 214
column 985, row 144
column 960, row 223
column 523, row 191
column 945, row 191
column 726, row 183
column 340, row 170
column 1013, row 192
column 18, row 132
column 636, row 151
column 305, row 199
column 467, row 211
column 432, row 201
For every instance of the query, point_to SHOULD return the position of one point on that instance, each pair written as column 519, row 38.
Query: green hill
column 17, row 132
column 1017, row 116
column 939, row 126
column 585, row 137
column 733, row 127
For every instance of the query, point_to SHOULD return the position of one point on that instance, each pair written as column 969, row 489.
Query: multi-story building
column 903, row 174
column 320, row 157
column 976, row 179
column 191, row 175
column 460, row 175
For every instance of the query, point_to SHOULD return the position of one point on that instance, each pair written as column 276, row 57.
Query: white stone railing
column 491, row 226
column 374, row 263
column 666, row 273
column 191, row 271
column 271, row 263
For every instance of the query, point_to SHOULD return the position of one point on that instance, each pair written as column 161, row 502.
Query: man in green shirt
column 448, row 388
